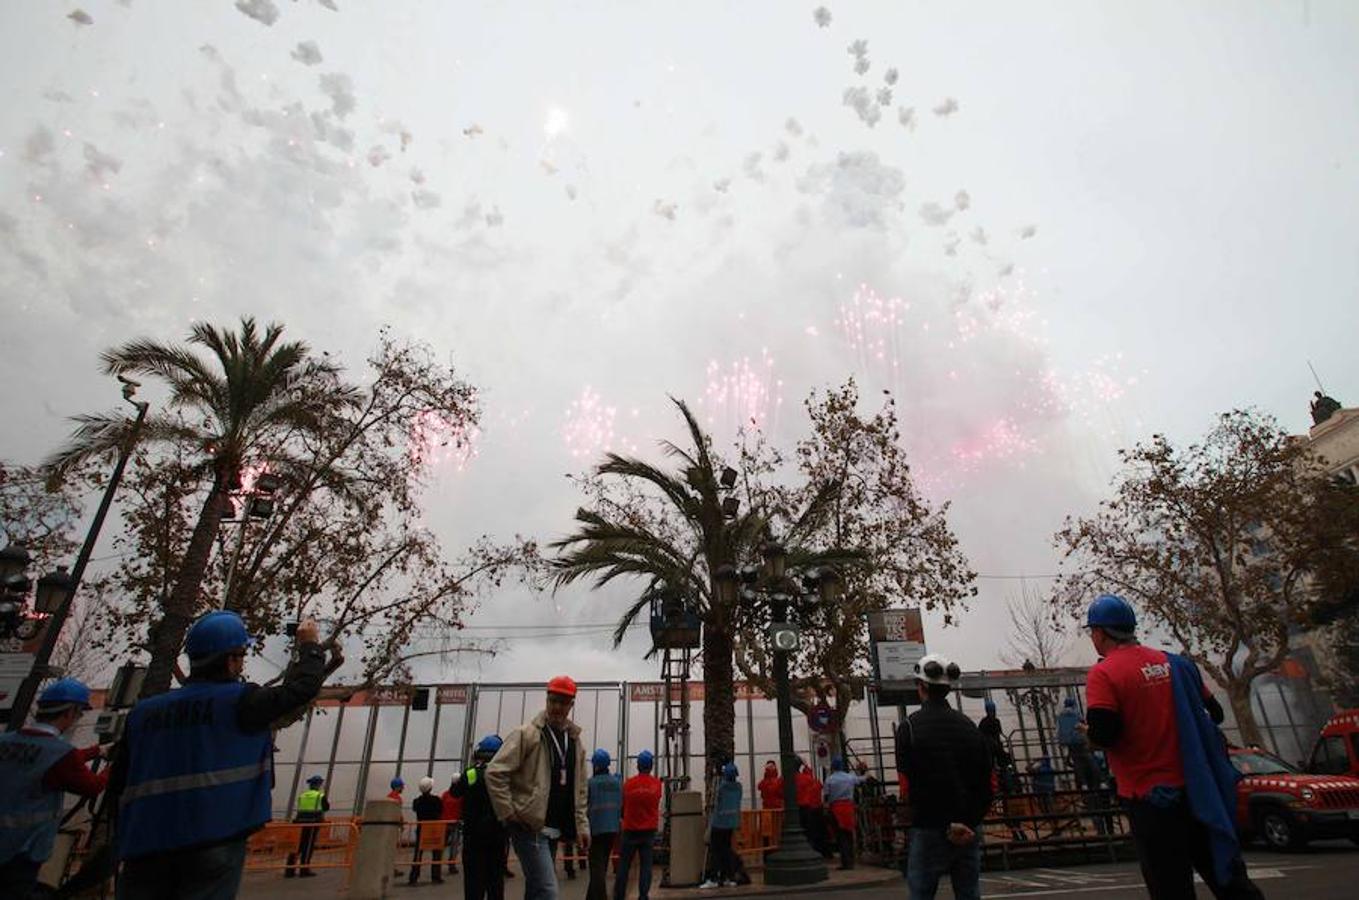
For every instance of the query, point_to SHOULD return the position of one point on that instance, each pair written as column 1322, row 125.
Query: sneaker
column 708, row 885
column 730, row 884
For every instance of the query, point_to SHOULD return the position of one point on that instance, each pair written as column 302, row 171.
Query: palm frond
column 674, row 490
column 103, row 434
column 625, row 621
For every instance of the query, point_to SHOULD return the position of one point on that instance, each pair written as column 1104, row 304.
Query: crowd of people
column 192, row 780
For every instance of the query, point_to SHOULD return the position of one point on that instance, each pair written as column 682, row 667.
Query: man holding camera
column 196, row 767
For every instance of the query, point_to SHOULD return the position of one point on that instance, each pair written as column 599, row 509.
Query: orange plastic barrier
column 431, row 834
column 336, row 840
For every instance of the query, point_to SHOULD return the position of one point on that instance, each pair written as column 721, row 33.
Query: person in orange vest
column 641, row 818
column 452, row 812
column 771, row 787
column 809, row 808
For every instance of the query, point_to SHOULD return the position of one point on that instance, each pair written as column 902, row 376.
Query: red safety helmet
column 563, row 685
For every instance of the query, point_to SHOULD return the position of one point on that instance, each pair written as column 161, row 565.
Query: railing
column 277, row 845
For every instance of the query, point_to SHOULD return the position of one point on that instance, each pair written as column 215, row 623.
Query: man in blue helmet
column 1156, row 721
column 604, row 809
column 37, row 766
column 196, row 768
column 726, row 818
column 484, row 847
column 641, row 818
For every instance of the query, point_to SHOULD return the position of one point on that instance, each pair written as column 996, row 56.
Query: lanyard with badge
column 560, row 746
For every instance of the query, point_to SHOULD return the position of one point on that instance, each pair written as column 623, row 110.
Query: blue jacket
column 193, row 777
column 1209, row 776
column 29, row 813
column 840, row 786
column 727, row 809
column 1067, row 735
column 605, row 804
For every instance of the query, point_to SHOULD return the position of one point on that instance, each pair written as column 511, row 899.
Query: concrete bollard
column 379, row 834
column 686, row 838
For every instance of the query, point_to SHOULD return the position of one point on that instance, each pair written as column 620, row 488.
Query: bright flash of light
column 436, row 441
column 587, row 428
column 556, row 122
column 742, row 394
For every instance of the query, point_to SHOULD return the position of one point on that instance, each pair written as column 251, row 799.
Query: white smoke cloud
column 665, row 209
column 860, row 99
column 1027, row 232
column 884, row 96
column 858, row 190
column 100, row 165
column 307, row 53
column 821, row 16
column 947, row 108
column 426, row 199
column 934, row 215
column 377, row 155
column 262, row 11
column 793, row 127
column 80, row 17
column 962, row 200
column 339, row 87
column 890, row 77
column 906, row 116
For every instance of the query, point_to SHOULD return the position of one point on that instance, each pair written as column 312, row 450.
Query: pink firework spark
column 742, row 394
column 588, row 428
column 436, row 441
column 872, row 326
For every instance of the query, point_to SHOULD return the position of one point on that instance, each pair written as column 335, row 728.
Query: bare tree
column 1036, row 635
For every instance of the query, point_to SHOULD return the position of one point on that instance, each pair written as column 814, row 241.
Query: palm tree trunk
column 719, row 697
column 167, row 635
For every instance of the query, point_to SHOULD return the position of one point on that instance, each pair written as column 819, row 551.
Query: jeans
column 1172, row 845
column 535, row 857
column 932, row 856
column 640, row 843
column 208, row 873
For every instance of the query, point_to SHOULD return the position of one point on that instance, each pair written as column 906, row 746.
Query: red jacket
column 452, row 806
column 771, row 791
column 642, row 803
column 808, row 789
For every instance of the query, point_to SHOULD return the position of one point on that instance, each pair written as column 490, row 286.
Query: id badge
column 561, row 779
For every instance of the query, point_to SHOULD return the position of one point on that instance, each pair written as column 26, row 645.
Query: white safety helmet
column 426, row 784
column 935, row 668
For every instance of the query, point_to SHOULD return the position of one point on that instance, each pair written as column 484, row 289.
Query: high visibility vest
column 29, row 813
column 193, row 776
column 310, row 801
column 605, row 808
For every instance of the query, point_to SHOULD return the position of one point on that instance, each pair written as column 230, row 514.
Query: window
column 1260, row 764
column 1329, row 756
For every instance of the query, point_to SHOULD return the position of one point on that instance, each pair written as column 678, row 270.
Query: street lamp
column 56, row 591
column 794, row 862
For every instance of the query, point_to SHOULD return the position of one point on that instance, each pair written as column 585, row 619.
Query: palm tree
column 680, row 546
column 253, row 394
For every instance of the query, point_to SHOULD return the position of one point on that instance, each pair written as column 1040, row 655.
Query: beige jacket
column 517, row 779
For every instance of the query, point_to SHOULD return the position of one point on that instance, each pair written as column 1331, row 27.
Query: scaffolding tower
column 676, row 631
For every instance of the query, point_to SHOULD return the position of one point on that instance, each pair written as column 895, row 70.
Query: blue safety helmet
column 216, row 633
column 729, row 771
column 63, row 692
column 316, row 779
column 990, row 707
column 645, row 760
column 837, row 764
column 600, row 759
column 1069, row 703
column 1114, row 614
column 397, row 783
column 489, row 745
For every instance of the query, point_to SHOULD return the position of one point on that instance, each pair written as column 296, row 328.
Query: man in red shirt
column 37, row 766
column 641, row 818
column 1133, row 716
column 452, row 813
column 812, row 817
column 771, row 787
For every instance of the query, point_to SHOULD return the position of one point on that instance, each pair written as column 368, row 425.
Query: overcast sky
column 1049, row 228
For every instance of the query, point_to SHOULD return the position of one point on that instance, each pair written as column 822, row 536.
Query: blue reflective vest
column 727, row 809
column 193, row 776
column 29, row 813
column 606, row 804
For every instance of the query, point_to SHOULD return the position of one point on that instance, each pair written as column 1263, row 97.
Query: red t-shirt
column 808, row 789
column 771, row 792
column 452, row 806
column 1134, row 681
column 642, row 803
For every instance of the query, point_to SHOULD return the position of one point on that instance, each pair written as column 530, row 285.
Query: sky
column 1050, row 229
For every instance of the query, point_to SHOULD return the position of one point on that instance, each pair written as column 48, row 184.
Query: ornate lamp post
column 794, row 862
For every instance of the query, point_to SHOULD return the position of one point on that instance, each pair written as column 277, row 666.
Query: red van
column 1337, row 749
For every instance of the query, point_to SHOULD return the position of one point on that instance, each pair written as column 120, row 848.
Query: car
column 1337, row 748
column 1286, row 807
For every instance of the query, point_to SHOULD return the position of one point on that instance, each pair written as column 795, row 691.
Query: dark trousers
column 1172, row 845
column 813, row 821
column 568, row 852
column 724, row 862
column 436, row 857
column 483, row 865
column 845, row 840
column 208, row 873
column 306, row 845
column 639, row 843
column 19, row 877
column 601, row 845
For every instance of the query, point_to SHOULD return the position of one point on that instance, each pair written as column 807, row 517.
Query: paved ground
column 1327, row 871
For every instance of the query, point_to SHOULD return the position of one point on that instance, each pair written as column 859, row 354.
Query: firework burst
column 434, row 441
column 742, row 394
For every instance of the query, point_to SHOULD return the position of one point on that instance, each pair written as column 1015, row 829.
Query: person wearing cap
column 312, row 806
column 839, row 794
column 771, row 786
column 605, row 807
column 427, row 808
column 726, row 818
column 641, row 818
column 38, row 766
column 196, row 766
column 948, row 764
column 452, row 813
column 483, row 845
column 537, row 785
column 1151, row 713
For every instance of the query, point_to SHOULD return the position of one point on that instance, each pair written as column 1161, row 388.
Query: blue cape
column 1209, row 777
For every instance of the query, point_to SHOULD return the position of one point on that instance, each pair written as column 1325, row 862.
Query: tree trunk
column 1238, row 694
column 719, row 698
column 167, row 635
